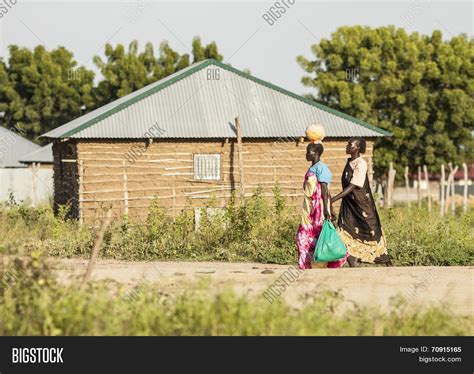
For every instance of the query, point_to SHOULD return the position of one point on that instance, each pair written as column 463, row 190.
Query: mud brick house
column 176, row 139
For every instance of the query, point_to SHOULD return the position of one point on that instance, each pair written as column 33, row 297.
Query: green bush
column 36, row 305
column 418, row 237
column 255, row 230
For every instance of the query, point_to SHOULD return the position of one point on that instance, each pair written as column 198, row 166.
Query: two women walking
column 358, row 222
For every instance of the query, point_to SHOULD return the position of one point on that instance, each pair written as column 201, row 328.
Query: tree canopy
column 37, row 92
column 418, row 87
column 125, row 72
column 40, row 89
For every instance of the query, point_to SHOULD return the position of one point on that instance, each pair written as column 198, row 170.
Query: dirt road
column 448, row 287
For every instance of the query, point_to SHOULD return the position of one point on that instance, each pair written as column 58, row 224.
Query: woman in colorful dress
column 359, row 223
column 315, row 208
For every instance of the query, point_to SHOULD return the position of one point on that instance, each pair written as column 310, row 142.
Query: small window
column 207, row 167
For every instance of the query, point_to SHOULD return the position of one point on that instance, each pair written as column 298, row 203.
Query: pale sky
column 238, row 28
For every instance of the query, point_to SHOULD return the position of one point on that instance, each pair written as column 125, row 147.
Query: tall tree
column 201, row 52
column 43, row 89
column 125, row 72
column 418, row 87
column 4, row 86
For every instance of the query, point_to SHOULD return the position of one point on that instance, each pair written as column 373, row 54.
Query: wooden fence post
column 96, row 247
column 80, row 168
column 380, row 195
column 407, row 186
column 425, row 171
column 391, row 181
column 419, row 187
column 450, row 184
column 442, row 191
column 465, row 192
column 453, row 192
column 448, row 188
column 370, row 174
column 125, row 189
column 241, row 161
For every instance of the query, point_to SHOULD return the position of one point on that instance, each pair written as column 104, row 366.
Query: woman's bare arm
column 325, row 195
column 344, row 193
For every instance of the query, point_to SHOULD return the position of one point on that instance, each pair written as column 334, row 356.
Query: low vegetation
column 32, row 303
column 256, row 231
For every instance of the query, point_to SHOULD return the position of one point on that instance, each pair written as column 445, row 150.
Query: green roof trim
column 181, row 75
column 303, row 99
column 133, row 100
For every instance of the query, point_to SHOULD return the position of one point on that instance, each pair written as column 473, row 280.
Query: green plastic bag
column 329, row 247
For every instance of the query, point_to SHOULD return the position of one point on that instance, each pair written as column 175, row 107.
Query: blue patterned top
column 322, row 172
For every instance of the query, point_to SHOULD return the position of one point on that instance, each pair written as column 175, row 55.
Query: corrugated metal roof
column 43, row 155
column 190, row 104
column 13, row 147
